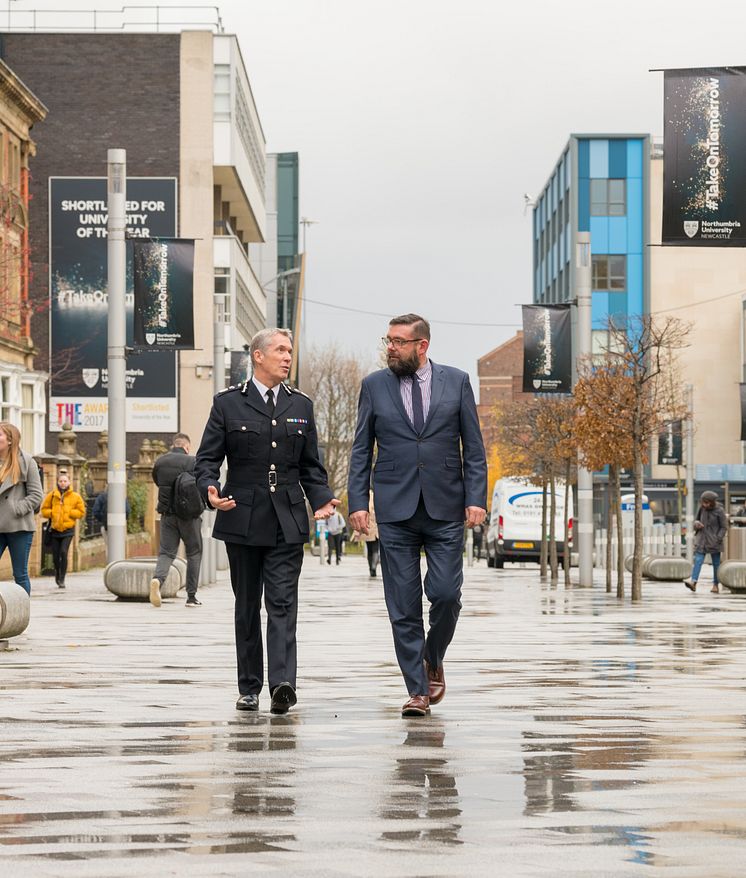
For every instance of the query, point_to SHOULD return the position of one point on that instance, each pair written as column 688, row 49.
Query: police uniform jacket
column 272, row 460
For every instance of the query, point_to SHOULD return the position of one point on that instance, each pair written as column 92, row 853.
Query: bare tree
column 645, row 349
column 333, row 378
column 603, row 393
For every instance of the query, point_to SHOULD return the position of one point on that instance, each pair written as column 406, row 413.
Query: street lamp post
column 116, row 517
column 584, row 530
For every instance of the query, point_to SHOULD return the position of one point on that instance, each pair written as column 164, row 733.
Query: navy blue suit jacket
column 445, row 463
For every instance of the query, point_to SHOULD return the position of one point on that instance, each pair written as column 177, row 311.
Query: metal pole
column 690, row 473
column 116, row 518
column 218, row 348
column 585, row 477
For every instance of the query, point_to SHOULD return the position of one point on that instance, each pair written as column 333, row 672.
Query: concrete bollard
column 732, row 575
column 130, row 579
column 15, row 611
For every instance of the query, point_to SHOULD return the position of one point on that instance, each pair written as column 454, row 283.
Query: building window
column 222, row 91
column 609, row 273
column 223, row 295
column 28, row 421
column 608, row 197
column 5, row 399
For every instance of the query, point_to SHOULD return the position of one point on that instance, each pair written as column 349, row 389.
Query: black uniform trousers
column 273, row 570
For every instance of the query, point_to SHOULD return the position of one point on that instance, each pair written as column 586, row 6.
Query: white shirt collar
column 263, row 389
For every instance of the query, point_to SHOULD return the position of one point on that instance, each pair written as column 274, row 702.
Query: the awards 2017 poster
column 79, row 307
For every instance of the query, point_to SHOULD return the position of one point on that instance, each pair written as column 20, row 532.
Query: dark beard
column 402, row 367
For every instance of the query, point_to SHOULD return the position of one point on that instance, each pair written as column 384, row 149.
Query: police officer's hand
column 360, row 521
column 218, row 502
column 474, row 515
column 327, row 510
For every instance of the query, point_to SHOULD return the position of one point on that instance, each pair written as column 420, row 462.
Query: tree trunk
column 619, row 533
column 566, row 557
column 637, row 562
column 609, row 524
column 553, row 566
column 543, row 550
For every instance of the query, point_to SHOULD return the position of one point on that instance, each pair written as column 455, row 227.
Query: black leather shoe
column 283, row 698
column 248, row 702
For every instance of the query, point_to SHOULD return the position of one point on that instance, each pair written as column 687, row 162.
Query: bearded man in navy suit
column 430, row 476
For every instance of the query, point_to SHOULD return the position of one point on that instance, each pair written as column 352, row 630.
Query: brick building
column 501, row 375
column 181, row 105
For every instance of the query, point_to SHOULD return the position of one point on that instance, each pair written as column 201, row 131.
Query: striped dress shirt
column 425, row 375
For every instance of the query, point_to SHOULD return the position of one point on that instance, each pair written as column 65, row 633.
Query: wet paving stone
column 579, row 736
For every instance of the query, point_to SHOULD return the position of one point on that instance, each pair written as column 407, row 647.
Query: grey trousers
column 174, row 529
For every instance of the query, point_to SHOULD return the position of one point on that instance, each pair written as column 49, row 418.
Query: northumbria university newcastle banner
column 79, row 304
column 704, row 157
column 669, row 445
column 547, row 353
column 164, row 274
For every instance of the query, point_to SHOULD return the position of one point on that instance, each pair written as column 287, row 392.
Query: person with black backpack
column 180, row 506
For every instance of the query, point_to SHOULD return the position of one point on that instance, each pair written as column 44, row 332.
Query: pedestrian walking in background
column 267, row 433
column 101, row 509
column 478, row 533
column 335, row 531
column 371, row 540
column 180, row 520
column 63, row 507
column 710, row 526
column 20, row 498
column 430, row 475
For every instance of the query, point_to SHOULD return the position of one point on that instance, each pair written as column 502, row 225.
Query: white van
column 514, row 533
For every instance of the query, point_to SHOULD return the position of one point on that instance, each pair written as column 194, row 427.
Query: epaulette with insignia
column 226, row 389
column 295, row 390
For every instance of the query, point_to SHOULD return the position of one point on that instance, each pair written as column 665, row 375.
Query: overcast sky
column 421, row 124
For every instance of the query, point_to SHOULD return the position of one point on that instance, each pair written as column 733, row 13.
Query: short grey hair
column 261, row 340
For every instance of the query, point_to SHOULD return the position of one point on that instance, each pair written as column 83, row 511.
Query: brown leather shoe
column 418, row 705
column 436, row 683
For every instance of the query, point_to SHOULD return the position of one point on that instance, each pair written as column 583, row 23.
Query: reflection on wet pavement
column 423, row 797
column 580, row 736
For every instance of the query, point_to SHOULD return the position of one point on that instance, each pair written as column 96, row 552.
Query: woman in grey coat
column 711, row 526
column 20, row 499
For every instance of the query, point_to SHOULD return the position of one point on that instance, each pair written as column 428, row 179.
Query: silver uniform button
column 274, row 423
column 271, row 466
column 301, row 432
column 272, row 489
column 244, row 427
column 274, row 445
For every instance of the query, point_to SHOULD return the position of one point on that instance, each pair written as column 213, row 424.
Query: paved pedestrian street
column 578, row 736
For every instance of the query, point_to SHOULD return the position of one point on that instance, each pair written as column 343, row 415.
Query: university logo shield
column 537, row 383
column 691, row 227
column 150, row 337
column 90, row 377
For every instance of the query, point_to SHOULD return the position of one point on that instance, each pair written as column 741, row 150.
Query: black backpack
column 185, row 497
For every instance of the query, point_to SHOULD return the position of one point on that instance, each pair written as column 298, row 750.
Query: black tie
column 270, row 402
column 418, row 418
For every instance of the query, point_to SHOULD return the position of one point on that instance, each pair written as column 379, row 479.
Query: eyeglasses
column 398, row 343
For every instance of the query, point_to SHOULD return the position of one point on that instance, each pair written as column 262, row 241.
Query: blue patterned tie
column 418, row 418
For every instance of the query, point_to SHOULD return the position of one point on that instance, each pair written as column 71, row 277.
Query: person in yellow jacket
column 63, row 507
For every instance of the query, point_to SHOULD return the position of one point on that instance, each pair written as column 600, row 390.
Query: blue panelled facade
column 600, row 186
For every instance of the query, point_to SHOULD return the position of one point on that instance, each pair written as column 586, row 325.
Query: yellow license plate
column 523, row 545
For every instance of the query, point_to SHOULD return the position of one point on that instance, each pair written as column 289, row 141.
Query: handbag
column 46, row 534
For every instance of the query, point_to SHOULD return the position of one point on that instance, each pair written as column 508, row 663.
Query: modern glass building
column 599, row 185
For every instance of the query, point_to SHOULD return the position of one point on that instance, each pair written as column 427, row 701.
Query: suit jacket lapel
column 254, row 399
column 436, row 392
column 393, row 385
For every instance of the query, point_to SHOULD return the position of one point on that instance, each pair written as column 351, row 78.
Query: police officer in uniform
column 267, row 433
